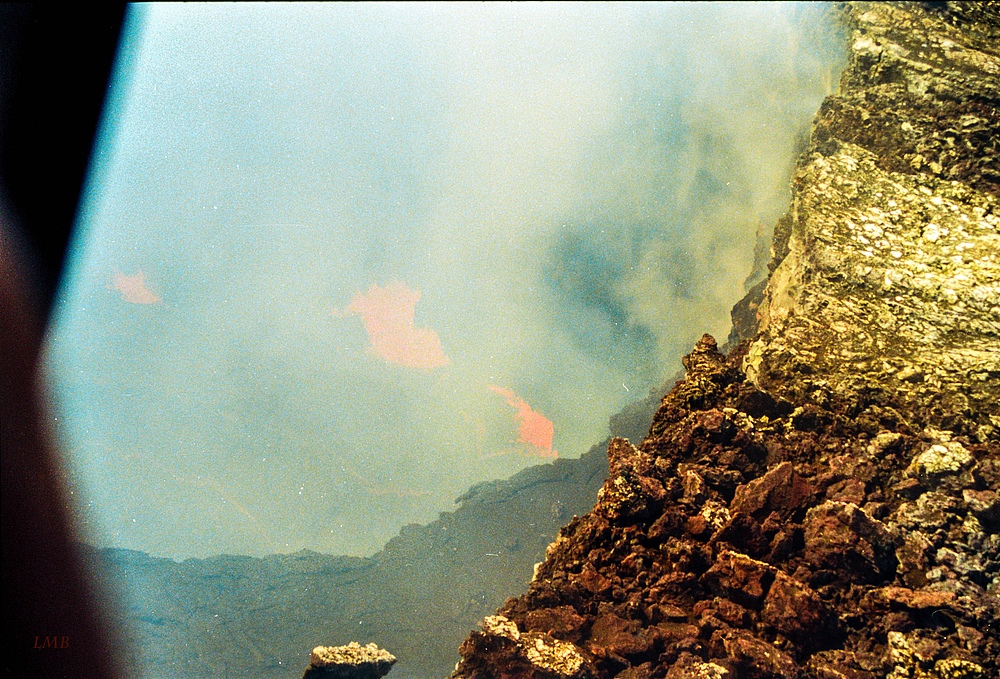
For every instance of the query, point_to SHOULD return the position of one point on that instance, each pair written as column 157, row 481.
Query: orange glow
column 133, row 289
column 387, row 314
column 535, row 429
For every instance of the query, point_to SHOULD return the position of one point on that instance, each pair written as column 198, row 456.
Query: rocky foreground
column 822, row 502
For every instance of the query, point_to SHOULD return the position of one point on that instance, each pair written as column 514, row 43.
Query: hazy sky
column 337, row 263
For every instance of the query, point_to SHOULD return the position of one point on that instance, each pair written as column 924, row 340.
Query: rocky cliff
column 822, row 502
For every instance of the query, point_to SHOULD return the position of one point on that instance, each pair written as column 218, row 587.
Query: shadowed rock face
column 822, row 501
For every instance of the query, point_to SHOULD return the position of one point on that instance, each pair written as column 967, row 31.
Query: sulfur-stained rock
column 931, row 512
column 868, row 290
column 501, row 649
column 629, row 494
column 692, row 667
column 551, row 656
column 912, row 651
column 958, row 668
column 836, row 665
column 949, row 457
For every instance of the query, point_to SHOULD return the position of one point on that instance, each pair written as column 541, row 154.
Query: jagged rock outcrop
column 822, row 502
column 885, row 282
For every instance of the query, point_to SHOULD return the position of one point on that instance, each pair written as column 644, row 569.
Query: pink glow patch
column 535, row 429
column 387, row 314
column 133, row 289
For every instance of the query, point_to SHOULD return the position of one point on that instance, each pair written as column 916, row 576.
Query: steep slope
column 821, row 502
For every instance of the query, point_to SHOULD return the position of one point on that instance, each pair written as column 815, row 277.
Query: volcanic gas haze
column 553, row 200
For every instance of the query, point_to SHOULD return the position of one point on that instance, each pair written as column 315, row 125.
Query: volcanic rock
column 842, row 535
column 821, row 502
column 352, row 661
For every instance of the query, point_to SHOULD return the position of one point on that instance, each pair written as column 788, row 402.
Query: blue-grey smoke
column 574, row 190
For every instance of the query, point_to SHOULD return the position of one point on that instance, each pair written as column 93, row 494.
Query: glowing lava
column 535, row 429
column 387, row 314
column 133, row 289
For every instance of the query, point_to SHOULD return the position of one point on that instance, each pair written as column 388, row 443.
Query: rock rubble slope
column 822, row 502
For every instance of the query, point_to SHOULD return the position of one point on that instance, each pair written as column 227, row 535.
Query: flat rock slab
column 352, row 661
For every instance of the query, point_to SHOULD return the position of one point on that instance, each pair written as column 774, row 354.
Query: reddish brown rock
column 666, row 612
column 733, row 614
column 643, row 671
column 753, row 658
column 848, row 490
column 698, row 526
column 743, row 533
column 842, row 537
column 914, row 559
column 613, row 634
column 738, row 577
column 771, row 524
column 592, row 581
column 669, row 524
column 903, row 597
column 796, row 611
column 622, row 456
column 692, row 483
column 984, row 504
column 562, row 622
column 779, row 490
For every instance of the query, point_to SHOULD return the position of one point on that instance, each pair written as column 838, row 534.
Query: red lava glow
column 133, row 289
column 387, row 313
column 536, row 429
